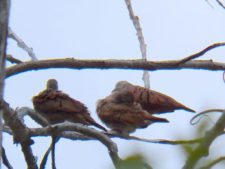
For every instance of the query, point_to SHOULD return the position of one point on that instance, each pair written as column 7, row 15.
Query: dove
column 58, row 107
column 122, row 114
column 150, row 100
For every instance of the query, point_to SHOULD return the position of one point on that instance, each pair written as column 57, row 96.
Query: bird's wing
column 155, row 102
column 55, row 101
column 68, row 104
column 114, row 113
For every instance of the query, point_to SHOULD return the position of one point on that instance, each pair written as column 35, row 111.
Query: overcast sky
column 102, row 29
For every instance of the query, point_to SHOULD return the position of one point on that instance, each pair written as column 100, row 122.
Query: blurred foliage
column 135, row 161
column 138, row 161
column 195, row 152
column 201, row 127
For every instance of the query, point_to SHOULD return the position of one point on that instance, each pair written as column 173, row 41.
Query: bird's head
column 52, row 84
column 122, row 85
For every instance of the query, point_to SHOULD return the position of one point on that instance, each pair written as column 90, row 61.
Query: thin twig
column 221, row 4
column 45, row 158
column 113, row 64
column 51, row 148
column 203, row 113
column 224, row 76
column 210, row 165
column 22, row 44
column 196, row 55
column 143, row 46
column 160, row 141
column 11, row 59
column 209, row 4
column 5, row 159
column 23, row 111
column 53, row 157
column 53, row 144
column 203, row 148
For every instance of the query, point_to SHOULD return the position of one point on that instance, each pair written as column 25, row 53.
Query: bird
column 58, row 107
column 122, row 114
column 152, row 101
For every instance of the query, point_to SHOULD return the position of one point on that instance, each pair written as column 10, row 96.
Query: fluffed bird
column 150, row 100
column 58, row 107
column 122, row 114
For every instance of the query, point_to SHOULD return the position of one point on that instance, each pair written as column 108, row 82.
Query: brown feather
column 120, row 113
column 150, row 100
column 58, row 107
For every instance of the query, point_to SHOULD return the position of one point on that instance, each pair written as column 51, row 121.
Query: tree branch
column 221, row 4
column 210, row 165
column 196, row 55
column 160, row 141
column 201, row 114
column 143, row 46
column 71, row 63
column 22, row 44
column 36, row 132
column 20, row 133
column 5, row 159
column 23, row 111
column 11, row 59
column 67, row 126
column 4, row 21
column 138, row 29
column 203, row 148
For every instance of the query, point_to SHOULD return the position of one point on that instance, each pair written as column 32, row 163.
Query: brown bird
column 150, row 100
column 58, row 107
column 120, row 113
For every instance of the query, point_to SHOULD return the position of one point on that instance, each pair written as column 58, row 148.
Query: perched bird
column 150, row 100
column 122, row 114
column 58, row 107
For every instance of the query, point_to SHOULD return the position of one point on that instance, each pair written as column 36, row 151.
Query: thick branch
column 23, row 111
column 203, row 148
column 92, row 133
column 4, row 21
column 112, row 64
column 36, row 132
column 20, row 133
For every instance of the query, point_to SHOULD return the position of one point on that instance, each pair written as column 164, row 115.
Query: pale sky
column 102, row 29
